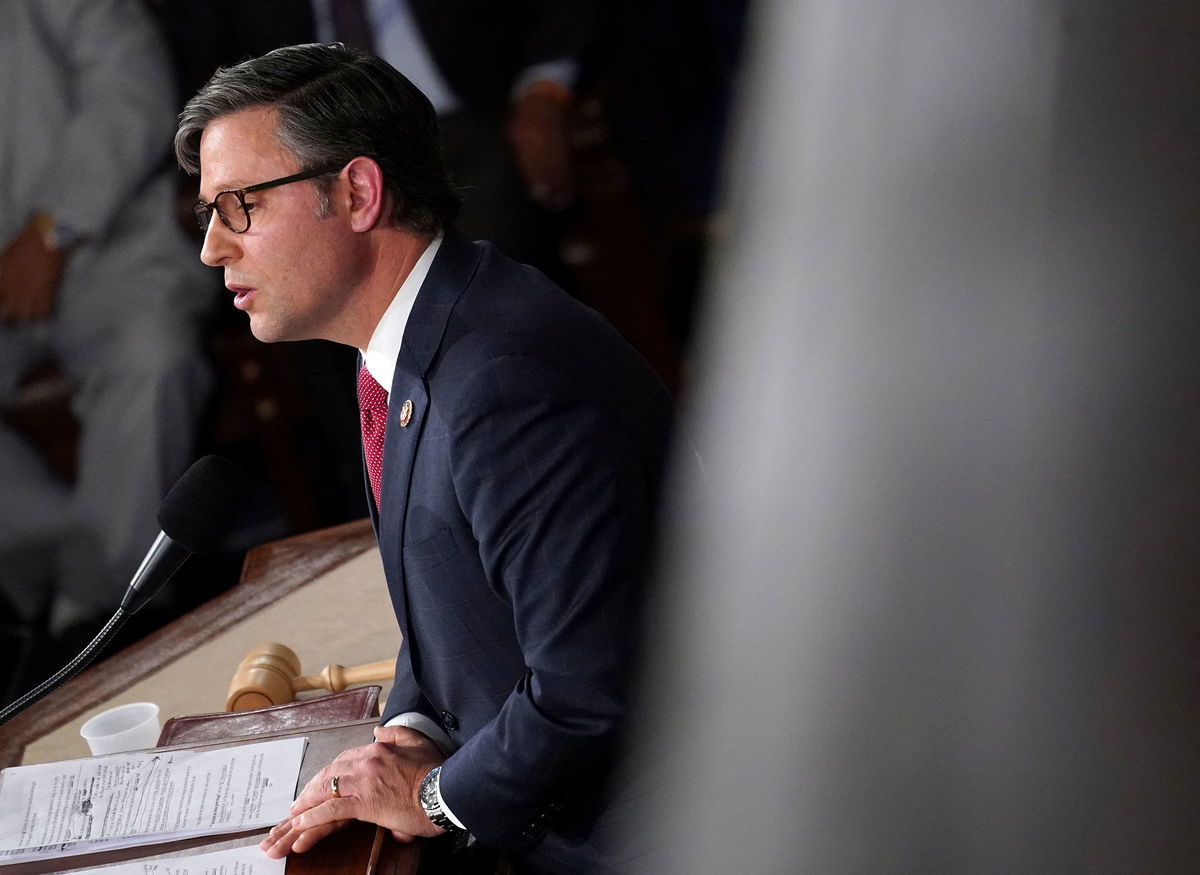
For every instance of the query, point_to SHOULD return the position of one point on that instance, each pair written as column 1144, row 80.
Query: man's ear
column 367, row 194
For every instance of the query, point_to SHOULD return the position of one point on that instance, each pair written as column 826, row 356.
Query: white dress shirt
column 379, row 357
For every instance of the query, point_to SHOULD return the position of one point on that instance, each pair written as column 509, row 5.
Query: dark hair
column 334, row 104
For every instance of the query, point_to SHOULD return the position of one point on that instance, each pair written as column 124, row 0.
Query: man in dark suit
column 523, row 449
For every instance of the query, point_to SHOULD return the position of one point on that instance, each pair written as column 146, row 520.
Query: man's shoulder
column 501, row 297
column 497, row 308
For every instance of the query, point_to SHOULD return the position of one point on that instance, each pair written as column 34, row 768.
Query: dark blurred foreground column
column 935, row 607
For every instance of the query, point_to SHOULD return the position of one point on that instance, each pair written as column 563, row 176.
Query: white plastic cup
column 126, row 727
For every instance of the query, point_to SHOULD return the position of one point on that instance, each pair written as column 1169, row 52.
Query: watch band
column 429, row 801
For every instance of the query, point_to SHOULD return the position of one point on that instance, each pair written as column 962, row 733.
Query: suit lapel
column 408, row 406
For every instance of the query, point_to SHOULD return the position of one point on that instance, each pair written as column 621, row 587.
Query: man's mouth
column 241, row 294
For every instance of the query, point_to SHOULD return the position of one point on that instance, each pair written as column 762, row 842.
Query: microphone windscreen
column 199, row 508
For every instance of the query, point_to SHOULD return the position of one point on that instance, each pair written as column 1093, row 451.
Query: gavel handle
column 336, row 678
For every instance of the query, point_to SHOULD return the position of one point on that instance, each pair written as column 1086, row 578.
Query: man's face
column 292, row 272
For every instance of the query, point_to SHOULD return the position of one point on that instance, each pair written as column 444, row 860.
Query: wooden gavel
column 270, row 675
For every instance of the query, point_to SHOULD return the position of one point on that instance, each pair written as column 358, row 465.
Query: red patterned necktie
column 372, row 413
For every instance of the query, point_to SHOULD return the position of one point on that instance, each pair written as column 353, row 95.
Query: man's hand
column 378, row 783
column 29, row 275
column 537, row 132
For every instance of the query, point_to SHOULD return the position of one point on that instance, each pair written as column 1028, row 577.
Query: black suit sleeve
column 560, row 505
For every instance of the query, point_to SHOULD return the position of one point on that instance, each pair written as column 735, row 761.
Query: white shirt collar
column 380, row 355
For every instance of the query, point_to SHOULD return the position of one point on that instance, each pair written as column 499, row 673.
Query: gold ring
column 333, row 787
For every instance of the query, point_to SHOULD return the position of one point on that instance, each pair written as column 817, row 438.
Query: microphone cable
column 68, row 671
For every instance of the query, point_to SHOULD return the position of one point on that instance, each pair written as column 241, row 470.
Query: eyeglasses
column 231, row 205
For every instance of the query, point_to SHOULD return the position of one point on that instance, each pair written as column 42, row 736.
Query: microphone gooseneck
column 68, row 671
column 194, row 516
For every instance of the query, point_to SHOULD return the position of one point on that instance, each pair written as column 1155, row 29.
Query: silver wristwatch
column 429, row 801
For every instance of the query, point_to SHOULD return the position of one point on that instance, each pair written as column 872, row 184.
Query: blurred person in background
column 669, row 69
column 97, row 279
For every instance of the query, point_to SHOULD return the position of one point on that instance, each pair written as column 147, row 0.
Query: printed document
column 122, row 800
column 234, row 861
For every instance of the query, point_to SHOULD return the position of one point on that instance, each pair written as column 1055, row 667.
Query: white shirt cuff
column 427, row 726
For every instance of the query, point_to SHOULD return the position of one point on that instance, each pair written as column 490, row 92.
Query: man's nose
column 220, row 244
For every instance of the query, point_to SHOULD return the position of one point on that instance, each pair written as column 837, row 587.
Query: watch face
column 428, row 794
column 429, row 801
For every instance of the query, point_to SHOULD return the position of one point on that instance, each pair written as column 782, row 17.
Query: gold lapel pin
column 405, row 413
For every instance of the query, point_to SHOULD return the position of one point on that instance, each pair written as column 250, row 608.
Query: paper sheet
column 232, row 861
column 122, row 800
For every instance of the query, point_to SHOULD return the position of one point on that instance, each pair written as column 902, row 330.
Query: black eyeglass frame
column 203, row 212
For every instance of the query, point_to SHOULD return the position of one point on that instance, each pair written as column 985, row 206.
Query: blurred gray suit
column 87, row 102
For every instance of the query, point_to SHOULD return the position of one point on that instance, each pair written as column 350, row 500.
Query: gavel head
column 263, row 678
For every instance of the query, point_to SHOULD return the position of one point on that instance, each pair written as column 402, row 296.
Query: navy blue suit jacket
column 516, row 516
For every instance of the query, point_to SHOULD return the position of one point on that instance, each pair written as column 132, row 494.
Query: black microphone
column 194, row 516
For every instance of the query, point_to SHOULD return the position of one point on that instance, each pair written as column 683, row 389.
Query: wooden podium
column 322, row 592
